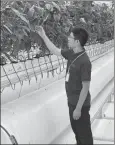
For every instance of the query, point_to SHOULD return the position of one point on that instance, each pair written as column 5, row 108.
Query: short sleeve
column 66, row 53
column 86, row 71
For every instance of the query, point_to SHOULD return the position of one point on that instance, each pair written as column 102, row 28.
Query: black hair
column 80, row 34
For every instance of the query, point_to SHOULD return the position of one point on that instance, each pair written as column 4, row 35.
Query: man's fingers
column 74, row 117
column 77, row 118
column 38, row 28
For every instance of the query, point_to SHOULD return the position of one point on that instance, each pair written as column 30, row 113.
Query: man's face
column 72, row 43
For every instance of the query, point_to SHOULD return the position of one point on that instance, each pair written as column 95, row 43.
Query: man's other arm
column 86, row 78
column 83, row 94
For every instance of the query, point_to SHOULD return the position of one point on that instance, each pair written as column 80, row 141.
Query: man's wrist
column 78, row 108
column 44, row 37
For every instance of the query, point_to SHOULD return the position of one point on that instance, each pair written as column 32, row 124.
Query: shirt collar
column 77, row 54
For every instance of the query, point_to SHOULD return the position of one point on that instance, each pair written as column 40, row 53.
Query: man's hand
column 40, row 31
column 76, row 114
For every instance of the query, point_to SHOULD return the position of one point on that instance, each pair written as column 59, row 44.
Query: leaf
column 39, row 10
column 20, row 15
column 25, row 33
column 49, row 7
column 31, row 12
column 111, row 25
column 6, row 27
column 26, row 28
column 8, row 7
column 19, row 3
column 56, row 6
column 82, row 20
column 13, row 37
column 42, row 4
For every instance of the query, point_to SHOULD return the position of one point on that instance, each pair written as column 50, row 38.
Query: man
column 77, row 82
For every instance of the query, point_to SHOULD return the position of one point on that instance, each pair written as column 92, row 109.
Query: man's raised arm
column 49, row 44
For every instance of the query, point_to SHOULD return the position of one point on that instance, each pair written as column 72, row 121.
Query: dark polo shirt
column 79, row 71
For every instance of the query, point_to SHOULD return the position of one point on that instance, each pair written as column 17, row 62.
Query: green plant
column 19, row 19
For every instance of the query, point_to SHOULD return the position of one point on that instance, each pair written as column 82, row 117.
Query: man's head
column 77, row 38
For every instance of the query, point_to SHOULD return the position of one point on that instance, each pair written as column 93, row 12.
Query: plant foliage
column 19, row 19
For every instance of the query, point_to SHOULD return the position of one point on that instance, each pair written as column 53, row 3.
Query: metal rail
column 45, row 64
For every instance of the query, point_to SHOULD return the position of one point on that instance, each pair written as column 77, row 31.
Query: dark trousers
column 82, row 126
